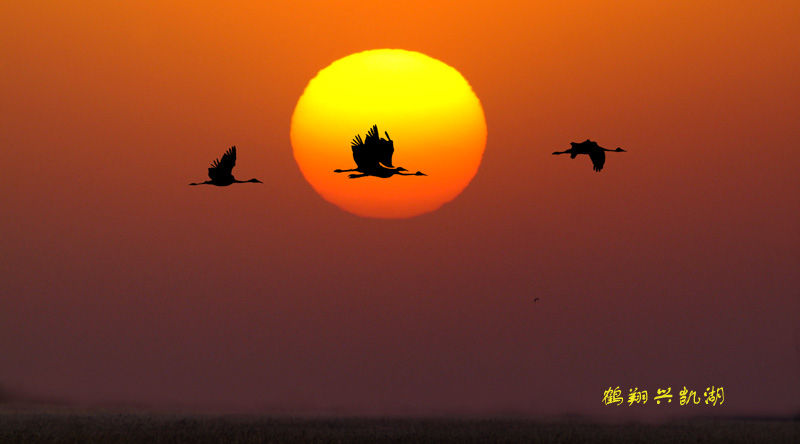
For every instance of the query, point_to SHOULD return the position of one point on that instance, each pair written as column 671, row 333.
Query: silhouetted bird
column 220, row 171
column 595, row 152
column 373, row 156
column 536, row 300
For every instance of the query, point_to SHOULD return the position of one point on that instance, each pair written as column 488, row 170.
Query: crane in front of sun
column 220, row 171
column 596, row 152
column 373, row 157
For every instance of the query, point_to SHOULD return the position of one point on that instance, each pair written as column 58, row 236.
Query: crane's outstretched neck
column 208, row 182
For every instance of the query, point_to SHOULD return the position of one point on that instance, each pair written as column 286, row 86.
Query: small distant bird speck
column 595, row 152
column 536, row 300
column 220, row 171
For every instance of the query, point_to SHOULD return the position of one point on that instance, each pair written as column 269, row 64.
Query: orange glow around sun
column 430, row 112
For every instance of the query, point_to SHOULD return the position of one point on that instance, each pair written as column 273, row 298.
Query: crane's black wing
column 222, row 167
column 360, row 152
column 357, row 142
column 598, row 159
column 372, row 136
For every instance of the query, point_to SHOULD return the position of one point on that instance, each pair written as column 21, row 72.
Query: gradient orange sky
column 675, row 266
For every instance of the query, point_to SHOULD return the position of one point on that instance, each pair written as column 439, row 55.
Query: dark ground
column 20, row 426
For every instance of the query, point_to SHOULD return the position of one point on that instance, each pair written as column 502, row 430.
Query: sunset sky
column 677, row 265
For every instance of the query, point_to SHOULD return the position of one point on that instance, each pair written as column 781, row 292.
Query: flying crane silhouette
column 220, row 171
column 595, row 152
column 373, row 157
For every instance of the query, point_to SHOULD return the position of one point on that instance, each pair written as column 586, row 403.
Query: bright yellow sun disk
column 428, row 109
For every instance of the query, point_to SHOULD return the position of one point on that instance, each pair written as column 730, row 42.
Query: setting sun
column 429, row 111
